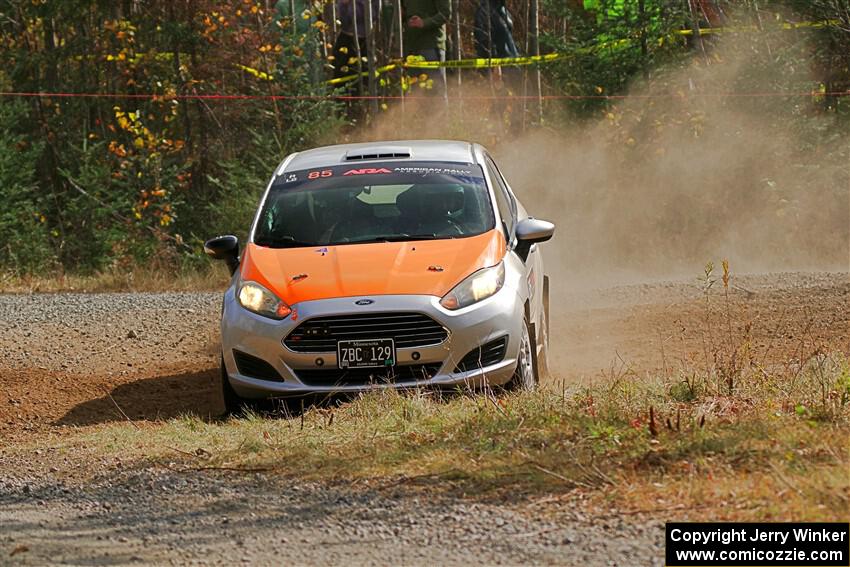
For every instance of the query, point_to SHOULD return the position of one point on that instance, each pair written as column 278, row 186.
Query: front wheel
column 237, row 406
column 526, row 374
column 234, row 404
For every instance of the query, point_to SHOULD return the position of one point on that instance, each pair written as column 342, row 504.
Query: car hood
column 422, row 267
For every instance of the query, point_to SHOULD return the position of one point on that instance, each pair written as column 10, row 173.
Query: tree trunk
column 534, row 45
column 370, row 55
column 400, row 22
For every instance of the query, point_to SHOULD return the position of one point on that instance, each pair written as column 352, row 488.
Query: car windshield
column 378, row 202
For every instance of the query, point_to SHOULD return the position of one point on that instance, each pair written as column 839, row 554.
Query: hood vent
column 377, row 153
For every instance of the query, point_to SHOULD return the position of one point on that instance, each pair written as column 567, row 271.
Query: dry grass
column 629, row 446
column 137, row 279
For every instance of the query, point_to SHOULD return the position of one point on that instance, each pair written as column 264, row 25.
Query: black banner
column 757, row 544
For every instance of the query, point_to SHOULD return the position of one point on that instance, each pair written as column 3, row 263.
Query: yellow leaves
column 343, row 50
column 139, row 143
column 165, row 220
column 255, row 9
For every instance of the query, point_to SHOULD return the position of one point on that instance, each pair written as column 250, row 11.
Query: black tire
column 234, row 404
column 526, row 376
column 237, row 406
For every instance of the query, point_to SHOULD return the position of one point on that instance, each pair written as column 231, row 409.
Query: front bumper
column 468, row 328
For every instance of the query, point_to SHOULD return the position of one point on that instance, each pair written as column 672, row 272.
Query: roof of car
column 413, row 150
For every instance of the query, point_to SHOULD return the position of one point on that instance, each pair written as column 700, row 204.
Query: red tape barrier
column 415, row 97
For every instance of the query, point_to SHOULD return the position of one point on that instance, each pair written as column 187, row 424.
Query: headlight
column 254, row 297
column 480, row 285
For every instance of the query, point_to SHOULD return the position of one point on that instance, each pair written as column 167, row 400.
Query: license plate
column 371, row 353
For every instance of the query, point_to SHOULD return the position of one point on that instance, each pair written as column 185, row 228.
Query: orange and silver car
column 384, row 265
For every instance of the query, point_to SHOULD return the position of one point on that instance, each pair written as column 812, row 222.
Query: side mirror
column 531, row 231
column 224, row 248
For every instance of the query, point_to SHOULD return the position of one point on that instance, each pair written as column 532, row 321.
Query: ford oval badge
column 364, row 302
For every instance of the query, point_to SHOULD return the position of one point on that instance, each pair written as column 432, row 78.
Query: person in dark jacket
column 345, row 49
column 493, row 32
column 425, row 36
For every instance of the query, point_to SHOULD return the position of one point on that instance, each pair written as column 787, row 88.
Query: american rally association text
column 756, row 534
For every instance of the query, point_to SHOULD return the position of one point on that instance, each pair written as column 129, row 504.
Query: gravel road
column 154, row 516
column 69, row 361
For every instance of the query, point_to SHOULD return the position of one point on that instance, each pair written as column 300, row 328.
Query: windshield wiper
column 282, row 242
column 404, row 237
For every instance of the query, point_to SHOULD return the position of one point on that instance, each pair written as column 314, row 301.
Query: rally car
column 384, row 265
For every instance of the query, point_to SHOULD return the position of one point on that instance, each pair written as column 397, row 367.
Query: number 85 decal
column 318, row 174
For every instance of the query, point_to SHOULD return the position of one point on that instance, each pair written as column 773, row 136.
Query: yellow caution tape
column 347, row 78
column 256, row 72
column 482, row 63
column 414, row 62
column 750, row 29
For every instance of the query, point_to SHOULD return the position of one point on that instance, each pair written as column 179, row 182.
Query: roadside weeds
column 752, row 455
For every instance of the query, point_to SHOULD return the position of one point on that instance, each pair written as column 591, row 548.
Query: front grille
column 363, row 376
column 486, row 355
column 408, row 330
column 254, row 367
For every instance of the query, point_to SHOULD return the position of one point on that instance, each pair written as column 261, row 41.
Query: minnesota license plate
column 369, row 353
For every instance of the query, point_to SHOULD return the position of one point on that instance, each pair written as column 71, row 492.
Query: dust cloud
column 666, row 180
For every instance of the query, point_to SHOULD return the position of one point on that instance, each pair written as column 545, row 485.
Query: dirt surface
column 74, row 361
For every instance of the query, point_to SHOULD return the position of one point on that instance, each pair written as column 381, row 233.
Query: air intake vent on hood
column 377, row 153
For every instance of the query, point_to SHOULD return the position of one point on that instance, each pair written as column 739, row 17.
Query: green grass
column 731, row 452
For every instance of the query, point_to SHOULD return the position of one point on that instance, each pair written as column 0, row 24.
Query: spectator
column 346, row 49
column 425, row 36
column 493, row 32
